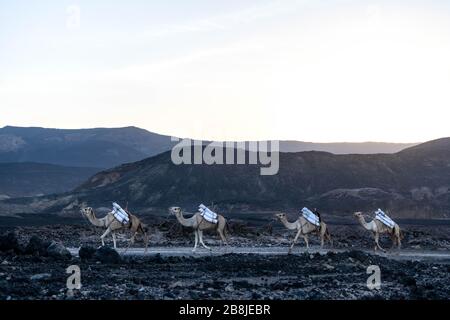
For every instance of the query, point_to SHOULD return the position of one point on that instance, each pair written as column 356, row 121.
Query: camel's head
column 88, row 211
column 358, row 214
column 280, row 215
column 175, row 210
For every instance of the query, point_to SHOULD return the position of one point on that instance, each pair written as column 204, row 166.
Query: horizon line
column 217, row 140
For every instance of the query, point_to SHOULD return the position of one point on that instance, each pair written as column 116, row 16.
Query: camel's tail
column 395, row 230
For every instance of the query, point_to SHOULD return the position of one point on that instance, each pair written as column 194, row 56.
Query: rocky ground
column 33, row 262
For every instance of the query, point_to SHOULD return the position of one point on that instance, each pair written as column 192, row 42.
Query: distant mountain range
column 33, row 179
column 98, row 148
column 412, row 183
column 109, row 147
column 73, row 149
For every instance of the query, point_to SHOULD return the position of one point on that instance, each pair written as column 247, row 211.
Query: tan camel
column 304, row 227
column 112, row 225
column 377, row 227
column 199, row 224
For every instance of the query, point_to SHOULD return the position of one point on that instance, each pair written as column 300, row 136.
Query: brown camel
column 304, row 227
column 377, row 227
column 112, row 225
column 199, row 224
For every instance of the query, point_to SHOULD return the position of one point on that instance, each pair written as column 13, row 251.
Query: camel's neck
column 96, row 222
column 185, row 222
column 364, row 223
column 289, row 225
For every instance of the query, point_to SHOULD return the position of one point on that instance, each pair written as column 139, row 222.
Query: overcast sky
column 230, row 70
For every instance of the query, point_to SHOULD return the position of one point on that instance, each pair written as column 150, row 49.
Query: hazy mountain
column 32, row 179
column 412, row 183
column 109, row 147
column 344, row 147
column 100, row 147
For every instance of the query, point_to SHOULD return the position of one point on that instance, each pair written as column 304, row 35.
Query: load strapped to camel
column 310, row 217
column 120, row 214
column 207, row 214
column 383, row 217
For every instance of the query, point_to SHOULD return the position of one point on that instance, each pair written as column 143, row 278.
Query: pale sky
column 306, row 70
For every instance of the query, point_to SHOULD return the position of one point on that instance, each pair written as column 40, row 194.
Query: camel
column 304, row 227
column 378, row 227
column 199, row 224
column 112, row 225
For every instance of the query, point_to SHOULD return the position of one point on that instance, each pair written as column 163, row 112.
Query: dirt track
column 413, row 255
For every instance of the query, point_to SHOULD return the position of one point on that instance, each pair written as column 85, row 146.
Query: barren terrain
column 256, row 265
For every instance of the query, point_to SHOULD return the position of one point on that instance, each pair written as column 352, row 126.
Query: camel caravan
column 308, row 222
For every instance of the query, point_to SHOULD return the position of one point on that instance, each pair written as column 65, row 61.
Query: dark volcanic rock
column 86, row 252
column 57, row 251
column 10, row 242
column 233, row 276
column 37, row 246
column 407, row 280
column 107, row 255
column 358, row 255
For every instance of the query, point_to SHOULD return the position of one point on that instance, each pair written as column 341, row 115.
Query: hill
column 33, row 179
column 412, row 183
column 99, row 147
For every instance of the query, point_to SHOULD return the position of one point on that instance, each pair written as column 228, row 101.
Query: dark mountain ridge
column 412, row 183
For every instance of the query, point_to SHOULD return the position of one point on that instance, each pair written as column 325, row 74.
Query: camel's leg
column 146, row 240
column 222, row 237
column 329, row 238
column 114, row 239
column 377, row 238
column 200, row 233
column 394, row 241
column 322, row 238
column 196, row 241
column 104, row 235
column 305, row 237
column 131, row 242
column 295, row 240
